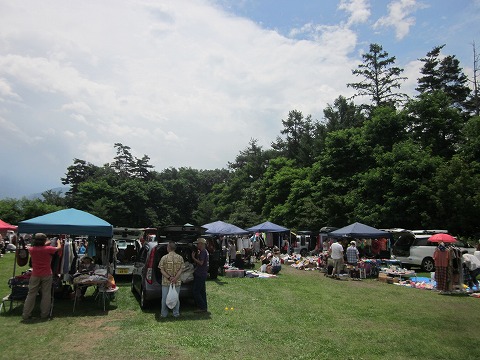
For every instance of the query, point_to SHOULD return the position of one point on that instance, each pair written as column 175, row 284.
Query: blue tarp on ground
column 68, row 221
column 267, row 226
column 223, row 228
column 359, row 230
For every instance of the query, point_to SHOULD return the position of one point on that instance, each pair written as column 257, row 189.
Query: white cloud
column 359, row 10
column 181, row 81
column 398, row 17
column 6, row 91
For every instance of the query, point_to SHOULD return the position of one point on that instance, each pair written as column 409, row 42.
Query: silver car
column 146, row 276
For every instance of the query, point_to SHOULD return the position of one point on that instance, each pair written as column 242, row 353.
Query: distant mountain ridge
column 61, row 189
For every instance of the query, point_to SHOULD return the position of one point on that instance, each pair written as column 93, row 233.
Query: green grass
column 299, row 315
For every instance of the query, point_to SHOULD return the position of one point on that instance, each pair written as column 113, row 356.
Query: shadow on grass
column 219, row 281
column 184, row 316
column 63, row 308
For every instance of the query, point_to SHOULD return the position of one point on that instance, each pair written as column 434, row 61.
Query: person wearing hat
column 352, row 254
column 41, row 256
column 200, row 259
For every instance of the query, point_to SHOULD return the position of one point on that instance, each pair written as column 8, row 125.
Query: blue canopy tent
column 359, row 230
column 68, row 221
column 223, row 228
column 269, row 227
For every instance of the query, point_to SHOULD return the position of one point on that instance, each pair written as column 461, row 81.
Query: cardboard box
column 383, row 277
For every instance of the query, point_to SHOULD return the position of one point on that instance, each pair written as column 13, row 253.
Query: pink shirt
column 42, row 259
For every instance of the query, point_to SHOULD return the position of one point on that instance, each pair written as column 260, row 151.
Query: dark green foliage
column 444, row 75
column 434, row 123
column 298, row 143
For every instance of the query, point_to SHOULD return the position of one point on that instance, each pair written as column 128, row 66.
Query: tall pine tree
column 380, row 78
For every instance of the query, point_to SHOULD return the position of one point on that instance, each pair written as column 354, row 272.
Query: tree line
column 390, row 161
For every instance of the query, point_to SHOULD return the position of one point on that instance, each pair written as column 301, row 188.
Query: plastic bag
column 172, row 297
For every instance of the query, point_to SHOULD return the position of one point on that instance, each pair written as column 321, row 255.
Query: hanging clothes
column 91, row 251
column 67, row 257
column 441, row 257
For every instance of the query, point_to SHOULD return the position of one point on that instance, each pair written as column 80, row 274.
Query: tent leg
column 52, row 291
column 15, row 259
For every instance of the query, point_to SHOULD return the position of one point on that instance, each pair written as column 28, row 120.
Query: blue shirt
column 202, row 269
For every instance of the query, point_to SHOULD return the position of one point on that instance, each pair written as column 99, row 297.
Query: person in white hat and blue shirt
column 200, row 259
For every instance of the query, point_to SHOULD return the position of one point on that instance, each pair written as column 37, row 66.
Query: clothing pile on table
column 394, row 270
column 97, row 277
column 370, row 266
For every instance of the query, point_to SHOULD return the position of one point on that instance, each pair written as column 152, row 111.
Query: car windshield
column 122, row 244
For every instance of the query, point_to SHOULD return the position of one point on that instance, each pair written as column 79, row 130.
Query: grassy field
column 299, row 315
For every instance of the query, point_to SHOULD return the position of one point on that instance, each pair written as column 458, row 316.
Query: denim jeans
column 200, row 291
column 176, row 309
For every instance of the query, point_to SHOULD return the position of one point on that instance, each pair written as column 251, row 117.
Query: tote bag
column 172, row 297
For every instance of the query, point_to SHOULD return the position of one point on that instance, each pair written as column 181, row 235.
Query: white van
column 412, row 247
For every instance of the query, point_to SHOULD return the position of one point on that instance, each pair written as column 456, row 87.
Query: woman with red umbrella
column 441, row 257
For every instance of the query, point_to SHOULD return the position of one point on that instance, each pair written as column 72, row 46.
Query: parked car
column 147, row 278
column 412, row 248
column 304, row 243
column 127, row 252
column 128, row 246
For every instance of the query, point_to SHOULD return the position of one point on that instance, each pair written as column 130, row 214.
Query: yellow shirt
column 170, row 263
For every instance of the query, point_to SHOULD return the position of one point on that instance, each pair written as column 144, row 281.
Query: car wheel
column 132, row 287
column 303, row 252
column 143, row 302
column 428, row 264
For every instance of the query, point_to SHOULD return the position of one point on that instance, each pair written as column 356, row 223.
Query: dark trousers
column 200, row 291
column 474, row 274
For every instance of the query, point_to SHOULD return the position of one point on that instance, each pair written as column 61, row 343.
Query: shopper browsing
column 200, row 258
column 336, row 253
column 171, row 267
column 352, row 254
column 42, row 278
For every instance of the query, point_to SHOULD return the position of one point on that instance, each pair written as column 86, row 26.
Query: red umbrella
column 442, row 237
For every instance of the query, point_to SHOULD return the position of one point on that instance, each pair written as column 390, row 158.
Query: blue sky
column 190, row 82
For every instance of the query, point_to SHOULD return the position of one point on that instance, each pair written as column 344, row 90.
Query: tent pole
column 15, row 258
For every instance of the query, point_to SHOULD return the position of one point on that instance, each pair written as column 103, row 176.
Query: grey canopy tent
column 223, row 228
column 268, row 226
column 359, row 230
